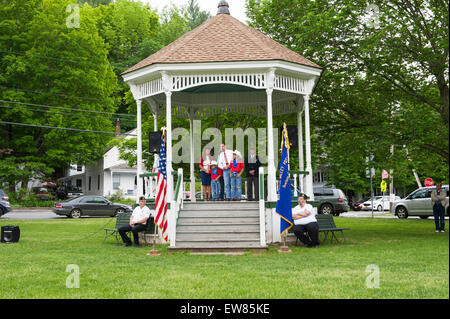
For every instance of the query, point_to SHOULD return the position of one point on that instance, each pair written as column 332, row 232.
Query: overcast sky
column 237, row 7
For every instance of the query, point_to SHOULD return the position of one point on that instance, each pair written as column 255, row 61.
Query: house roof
column 120, row 167
column 223, row 39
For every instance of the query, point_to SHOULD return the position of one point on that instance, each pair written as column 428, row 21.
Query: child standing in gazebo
column 237, row 167
column 216, row 173
column 204, row 164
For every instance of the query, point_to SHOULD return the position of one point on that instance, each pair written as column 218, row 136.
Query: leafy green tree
column 195, row 16
column 385, row 80
column 46, row 61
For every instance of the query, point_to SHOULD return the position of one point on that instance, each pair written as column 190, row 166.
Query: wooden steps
column 218, row 227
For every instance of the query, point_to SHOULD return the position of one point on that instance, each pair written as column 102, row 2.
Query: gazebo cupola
column 225, row 66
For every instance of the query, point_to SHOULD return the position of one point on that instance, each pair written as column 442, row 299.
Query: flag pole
column 154, row 251
column 284, row 248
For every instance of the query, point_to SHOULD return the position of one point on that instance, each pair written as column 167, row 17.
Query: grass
column 413, row 262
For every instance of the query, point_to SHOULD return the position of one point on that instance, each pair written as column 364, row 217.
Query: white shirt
column 206, row 163
column 221, row 160
column 139, row 214
column 305, row 220
column 156, row 163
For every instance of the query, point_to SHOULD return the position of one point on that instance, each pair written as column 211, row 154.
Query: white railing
column 262, row 208
column 176, row 205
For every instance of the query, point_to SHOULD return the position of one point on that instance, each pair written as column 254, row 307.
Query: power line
column 66, row 108
column 55, row 94
column 48, row 57
column 62, row 128
column 61, row 113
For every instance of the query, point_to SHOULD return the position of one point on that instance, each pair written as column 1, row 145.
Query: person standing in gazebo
column 224, row 162
column 236, row 169
column 252, row 165
column 204, row 164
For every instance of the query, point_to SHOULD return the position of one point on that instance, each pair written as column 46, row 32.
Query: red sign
column 429, row 182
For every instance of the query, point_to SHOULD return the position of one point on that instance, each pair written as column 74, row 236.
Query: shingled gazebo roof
column 223, row 39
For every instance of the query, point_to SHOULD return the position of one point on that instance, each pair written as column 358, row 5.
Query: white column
column 309, row 177
column 271, row 179
column 152, row 180
column 300, row 149
column 140, row 188
column 169, row 146
column 191, row 154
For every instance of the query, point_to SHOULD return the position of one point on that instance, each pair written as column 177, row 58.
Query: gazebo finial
column 223, row 8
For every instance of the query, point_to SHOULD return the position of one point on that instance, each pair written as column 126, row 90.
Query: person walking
column 237, row 167
column 252, row 165
column 204, row 164
column 224, row 163
column 438, row 199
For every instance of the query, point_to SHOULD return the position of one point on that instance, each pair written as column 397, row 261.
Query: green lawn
column 413, row 262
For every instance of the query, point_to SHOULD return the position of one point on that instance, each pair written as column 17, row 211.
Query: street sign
column 429, row 182
column 383, row 186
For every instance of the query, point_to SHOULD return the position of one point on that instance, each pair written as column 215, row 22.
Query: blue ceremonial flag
column 284, row 206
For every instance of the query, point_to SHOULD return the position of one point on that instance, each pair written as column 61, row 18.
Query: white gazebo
column 224, row 66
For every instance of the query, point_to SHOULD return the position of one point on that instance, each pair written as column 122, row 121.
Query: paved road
column 46, row 213
column 34, row 213
column 376, row 214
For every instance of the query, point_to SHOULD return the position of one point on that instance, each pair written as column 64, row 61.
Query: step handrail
column 262, row 209
column 175, row 206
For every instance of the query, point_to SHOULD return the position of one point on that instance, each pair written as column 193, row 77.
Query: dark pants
column 222, row 188
column 312, row 237
column 252, row 184
column 135, row 230
column 438, row 213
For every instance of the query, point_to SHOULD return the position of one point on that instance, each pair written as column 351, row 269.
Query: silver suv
column 418, row 203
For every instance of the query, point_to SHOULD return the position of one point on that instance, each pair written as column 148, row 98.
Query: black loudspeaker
column 154, row 142
column 10, row 234
column 292, row 134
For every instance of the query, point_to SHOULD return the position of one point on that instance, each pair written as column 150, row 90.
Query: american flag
column 161, row 181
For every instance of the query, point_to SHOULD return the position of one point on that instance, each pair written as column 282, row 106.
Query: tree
column 63, row 75
column 385, row 80
column 194, row 15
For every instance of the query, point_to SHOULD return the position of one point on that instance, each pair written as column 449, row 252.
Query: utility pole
column 391, row 185
column 414, row 170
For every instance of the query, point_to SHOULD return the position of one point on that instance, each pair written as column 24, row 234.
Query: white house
column 105, row 177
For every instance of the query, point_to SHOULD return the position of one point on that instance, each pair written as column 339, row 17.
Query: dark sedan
column 89, row 206
column 5, row 206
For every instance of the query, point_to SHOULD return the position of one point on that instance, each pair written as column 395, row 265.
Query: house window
column 98, row 182
column 116, row 181
column 89, row 182
column 78, row 182
column 79, row 168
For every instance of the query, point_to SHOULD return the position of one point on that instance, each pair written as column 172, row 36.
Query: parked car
column 380, row 203
column 3, row 195
column 5, row 206
column 43, row 193
column 331, row 201
column 358, row 205
column 89, row 206
column 418, row 203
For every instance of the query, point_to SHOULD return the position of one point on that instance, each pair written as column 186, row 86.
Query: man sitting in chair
column 305, row 220
column 138, row 220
